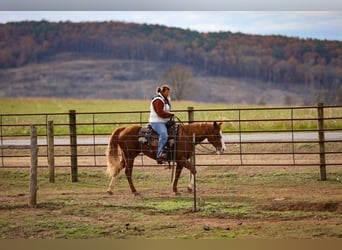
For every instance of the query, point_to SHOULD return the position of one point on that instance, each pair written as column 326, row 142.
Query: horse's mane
column 201, row 129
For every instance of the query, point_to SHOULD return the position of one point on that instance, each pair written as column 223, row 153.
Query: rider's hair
column 162, row 88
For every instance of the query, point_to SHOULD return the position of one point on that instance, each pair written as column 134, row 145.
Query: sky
column 317, row 24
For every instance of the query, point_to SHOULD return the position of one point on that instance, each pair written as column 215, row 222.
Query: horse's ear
column 217, row 124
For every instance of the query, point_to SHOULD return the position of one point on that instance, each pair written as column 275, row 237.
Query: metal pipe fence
column 262, row 136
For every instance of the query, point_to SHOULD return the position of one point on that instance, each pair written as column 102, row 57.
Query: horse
column 125, row 140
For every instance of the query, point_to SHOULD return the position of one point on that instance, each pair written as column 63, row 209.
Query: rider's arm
column 158, row 106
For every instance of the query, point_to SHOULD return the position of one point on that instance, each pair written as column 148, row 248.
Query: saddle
column 150, row 137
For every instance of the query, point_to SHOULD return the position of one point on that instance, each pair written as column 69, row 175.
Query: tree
column 180, row 80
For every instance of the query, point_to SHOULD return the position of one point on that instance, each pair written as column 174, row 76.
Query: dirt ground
column 231, row 202
column 269, row 200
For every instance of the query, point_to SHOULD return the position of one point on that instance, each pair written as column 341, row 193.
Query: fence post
column 191, row 114
column 322, row 166
column 34, row 163
column 51, row 152
column 193, row 160
column 2, row 153
column 73, row 145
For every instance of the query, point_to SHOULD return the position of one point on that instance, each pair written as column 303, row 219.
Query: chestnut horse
column 125, row 139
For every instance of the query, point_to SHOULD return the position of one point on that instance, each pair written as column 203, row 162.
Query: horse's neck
column 197, row 129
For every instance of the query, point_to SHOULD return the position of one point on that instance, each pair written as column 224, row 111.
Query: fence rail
column 263, row 136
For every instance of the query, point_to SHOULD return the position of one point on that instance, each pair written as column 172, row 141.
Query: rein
column 180, row 121
column 206, row 149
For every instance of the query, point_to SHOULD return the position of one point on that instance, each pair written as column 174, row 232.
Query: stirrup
column 162, row 157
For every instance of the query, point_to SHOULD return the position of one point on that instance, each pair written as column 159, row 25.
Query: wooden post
column 2, row 152
column 34, row 163
column 191, row 114
column 51, row 152
column 322, row 166
column 73, row 145
column 193, row 159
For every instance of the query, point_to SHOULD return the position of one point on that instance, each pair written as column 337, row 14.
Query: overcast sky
column 303, row 24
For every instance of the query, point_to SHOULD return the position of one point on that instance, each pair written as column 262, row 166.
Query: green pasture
column 25, row 111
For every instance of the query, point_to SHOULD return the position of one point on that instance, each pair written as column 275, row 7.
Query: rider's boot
column 161, row 157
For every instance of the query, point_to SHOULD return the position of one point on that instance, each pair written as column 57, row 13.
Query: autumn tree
column 180, row 79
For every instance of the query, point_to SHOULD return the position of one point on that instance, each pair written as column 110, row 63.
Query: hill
column 72, row 76
column 127, row 60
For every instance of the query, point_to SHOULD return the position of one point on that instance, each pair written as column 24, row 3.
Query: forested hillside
column 278, row 60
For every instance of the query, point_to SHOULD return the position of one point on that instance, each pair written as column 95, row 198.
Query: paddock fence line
column 262, row 136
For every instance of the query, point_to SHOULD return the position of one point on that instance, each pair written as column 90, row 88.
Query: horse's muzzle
column 220, row 151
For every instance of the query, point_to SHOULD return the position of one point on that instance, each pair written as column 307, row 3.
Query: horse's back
column 132, row 129
column 130, row 133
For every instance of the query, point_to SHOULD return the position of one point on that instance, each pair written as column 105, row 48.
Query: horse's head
column 215, row 137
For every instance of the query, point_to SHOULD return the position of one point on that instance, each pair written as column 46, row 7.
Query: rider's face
column 166, row 93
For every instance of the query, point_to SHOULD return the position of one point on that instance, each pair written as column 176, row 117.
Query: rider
column 159, row 115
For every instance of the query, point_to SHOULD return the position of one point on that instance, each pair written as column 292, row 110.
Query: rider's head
column 164, row 89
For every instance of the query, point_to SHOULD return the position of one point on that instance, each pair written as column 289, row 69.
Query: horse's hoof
column 109, row 192
column 189, row 190
column 177, row 194
column 136, row 194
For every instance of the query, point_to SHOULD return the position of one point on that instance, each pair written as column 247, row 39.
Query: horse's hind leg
column 128, row 172
column 115, row 177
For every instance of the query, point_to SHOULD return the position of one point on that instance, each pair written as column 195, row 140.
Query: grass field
column 24, row 111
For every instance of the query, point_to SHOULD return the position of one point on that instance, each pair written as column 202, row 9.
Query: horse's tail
column 113, row 160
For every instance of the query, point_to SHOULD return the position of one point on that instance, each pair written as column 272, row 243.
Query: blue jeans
column 161, row 130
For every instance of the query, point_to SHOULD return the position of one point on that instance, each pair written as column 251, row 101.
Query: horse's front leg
column 178, row 172
column 191, row 184
column 180, row 164
column 190, row 166
column 193, row 171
